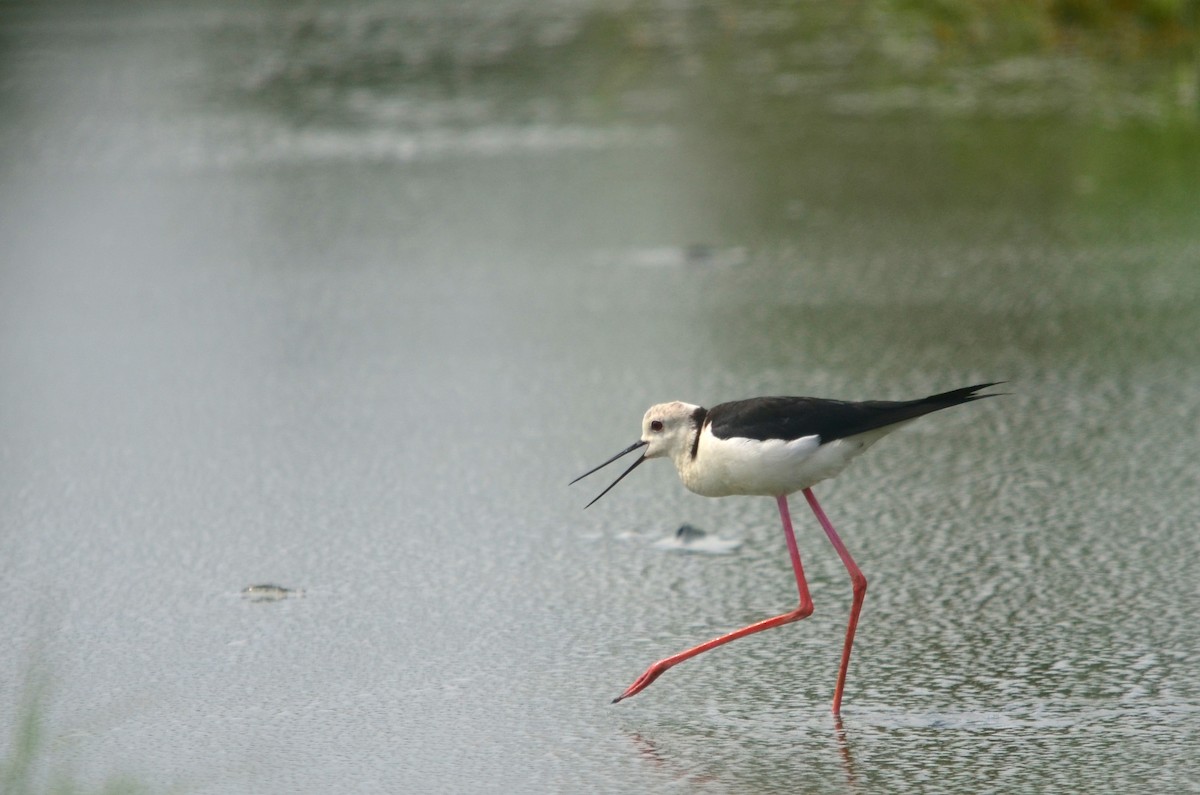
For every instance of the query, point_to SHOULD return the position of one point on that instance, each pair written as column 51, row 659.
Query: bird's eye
column 656, row 425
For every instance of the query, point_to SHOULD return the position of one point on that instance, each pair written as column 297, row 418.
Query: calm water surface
column 339, row 299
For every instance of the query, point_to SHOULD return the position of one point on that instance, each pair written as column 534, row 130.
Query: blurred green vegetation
column 27, row 768
column 1120, row 29
column 1108, row 60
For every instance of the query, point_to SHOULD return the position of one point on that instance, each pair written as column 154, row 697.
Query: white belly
column 723, row 467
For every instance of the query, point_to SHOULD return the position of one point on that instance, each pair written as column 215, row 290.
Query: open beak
column 626, row 451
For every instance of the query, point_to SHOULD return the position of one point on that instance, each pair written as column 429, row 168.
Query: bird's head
column 667, row 430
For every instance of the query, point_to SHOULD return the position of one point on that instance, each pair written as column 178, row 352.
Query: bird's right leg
column 803, row 610
column 859, row 585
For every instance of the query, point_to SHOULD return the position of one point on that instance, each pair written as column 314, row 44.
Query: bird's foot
column 644, row 681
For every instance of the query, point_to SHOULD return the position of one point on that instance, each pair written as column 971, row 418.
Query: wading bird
column 774, row 446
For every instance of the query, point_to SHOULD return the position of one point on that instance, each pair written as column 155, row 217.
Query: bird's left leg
column 803, row 610
column 859, row 583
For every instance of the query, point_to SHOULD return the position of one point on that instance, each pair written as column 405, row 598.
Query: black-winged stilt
column 774, row 446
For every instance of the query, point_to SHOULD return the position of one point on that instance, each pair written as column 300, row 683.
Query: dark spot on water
column 688, row 533
column 269, row 593
column 713, row 256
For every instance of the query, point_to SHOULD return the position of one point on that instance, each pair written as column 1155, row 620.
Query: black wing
column 790, row 418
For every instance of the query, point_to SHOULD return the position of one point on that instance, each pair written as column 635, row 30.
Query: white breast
column 723, row 467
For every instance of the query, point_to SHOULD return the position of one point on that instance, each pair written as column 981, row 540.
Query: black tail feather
column 964, row 395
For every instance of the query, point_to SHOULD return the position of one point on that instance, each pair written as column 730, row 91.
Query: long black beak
column 626, row 451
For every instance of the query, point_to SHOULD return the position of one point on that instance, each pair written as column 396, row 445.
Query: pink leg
column 803, row 610
column 859, row 583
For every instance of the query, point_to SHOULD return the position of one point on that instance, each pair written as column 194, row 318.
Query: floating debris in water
column 270, row 593
column 692, row 255
column 714, row 256
column 689, row 538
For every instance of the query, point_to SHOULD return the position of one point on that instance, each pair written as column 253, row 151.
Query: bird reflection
column 846, row 753
column 652, row 752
